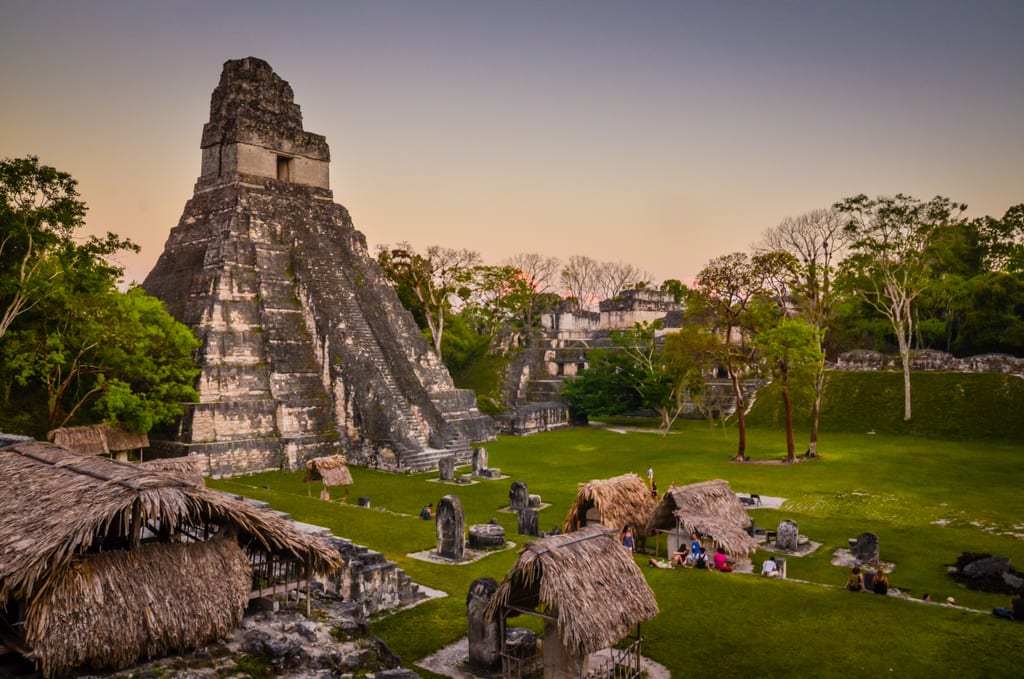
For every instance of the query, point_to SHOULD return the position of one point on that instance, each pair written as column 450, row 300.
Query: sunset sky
column 661, row 134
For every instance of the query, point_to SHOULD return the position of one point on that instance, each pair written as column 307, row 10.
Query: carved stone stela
column 304, row 344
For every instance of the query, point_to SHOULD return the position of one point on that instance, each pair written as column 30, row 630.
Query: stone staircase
column 418, row 433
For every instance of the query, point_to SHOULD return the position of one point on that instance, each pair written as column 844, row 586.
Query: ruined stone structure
column 305, row 347
column 533, row 381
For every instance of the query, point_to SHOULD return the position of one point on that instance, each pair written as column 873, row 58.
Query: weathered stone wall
column 931, row 360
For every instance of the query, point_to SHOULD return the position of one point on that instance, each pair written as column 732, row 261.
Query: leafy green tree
column 889, row 262
column 75, row 349
column 790, row 351
column 737, row 293
column 678, row 289
column 102, row 355
column 690, row 354
column 1003, row 240
column 430, row 284
column 606, row 387
column 40, row 212
column 994, row 318
column 816, row 241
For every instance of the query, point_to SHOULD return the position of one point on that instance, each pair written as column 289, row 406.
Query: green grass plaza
column 927, row 499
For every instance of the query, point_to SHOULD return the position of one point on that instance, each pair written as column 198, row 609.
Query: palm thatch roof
column 187, row 468
column 710, row 508
column 85, row 497
column 333, row 470
column 107, row 610
column 85, row 440
column 584, row 579
column 622, row 500
column 121, row 438
column 98, row 439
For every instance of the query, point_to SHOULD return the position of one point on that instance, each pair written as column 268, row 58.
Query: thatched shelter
column 104, row 562
column 332, row 470
column 710, row 508
column 98, row 439
column 613, row 503
column 188, row 468
column 585, row 586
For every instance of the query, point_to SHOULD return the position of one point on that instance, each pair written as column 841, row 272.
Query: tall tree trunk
column 741, row 453
column 903, row 337
column 788, row 406
column 819, row 388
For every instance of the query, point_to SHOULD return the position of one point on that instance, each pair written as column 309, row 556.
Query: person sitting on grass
column 1014, row 612
column 722, row 561
column 695, row 549
column 680, row 557
column 855, row 583
column 702, row 559
column 770, row 569
column 880, row 585
column 659, row 563
column 427, row 513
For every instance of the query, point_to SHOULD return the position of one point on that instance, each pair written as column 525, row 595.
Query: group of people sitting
column 867, row 581
column 695, row 555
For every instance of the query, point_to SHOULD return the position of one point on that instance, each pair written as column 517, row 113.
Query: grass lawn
column 928, row 501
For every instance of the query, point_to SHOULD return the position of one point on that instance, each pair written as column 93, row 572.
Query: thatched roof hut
column 614, row 503
column 710, row 508
column 98, row 439
column 187, row 467
column 590, row 590
column 173, row 558
column 332, row 470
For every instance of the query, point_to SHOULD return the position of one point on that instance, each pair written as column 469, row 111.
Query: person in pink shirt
column 722, row 561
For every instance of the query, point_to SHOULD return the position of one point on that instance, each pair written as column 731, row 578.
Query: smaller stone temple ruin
column 533, row 380
column 305, row 348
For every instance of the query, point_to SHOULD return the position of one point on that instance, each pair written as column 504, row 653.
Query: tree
column 691, row 355
column 614, row 277
column 429, row 283
column 735, row 291
column 579, row 278
column 889, row 262
column 789, row 350
column 539, row 276
column 679, row 290
column 1003, row 240
column 606, row 387
column 92, row 355
column 817, row 241
column 40, row 212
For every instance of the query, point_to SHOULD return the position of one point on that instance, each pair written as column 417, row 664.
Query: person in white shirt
column 770, row 569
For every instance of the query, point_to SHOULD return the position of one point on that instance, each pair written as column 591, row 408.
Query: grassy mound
column 945, row 405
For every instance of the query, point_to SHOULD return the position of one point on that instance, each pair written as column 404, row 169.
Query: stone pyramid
column 305, row 349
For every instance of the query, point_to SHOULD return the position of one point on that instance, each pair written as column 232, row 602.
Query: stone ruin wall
column 931, row 360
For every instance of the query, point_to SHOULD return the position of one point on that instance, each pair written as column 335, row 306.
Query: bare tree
column 818, row 241
column 579, row 279
column 614, row 277
column 541, row 275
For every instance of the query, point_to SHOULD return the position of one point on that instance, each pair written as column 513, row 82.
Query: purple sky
column 661, row 134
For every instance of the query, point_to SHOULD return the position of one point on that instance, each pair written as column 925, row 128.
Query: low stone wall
column 931, row 360
column 531, row 418
column 365, row 578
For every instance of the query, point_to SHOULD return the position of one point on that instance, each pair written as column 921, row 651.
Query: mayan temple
column 306, row 349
